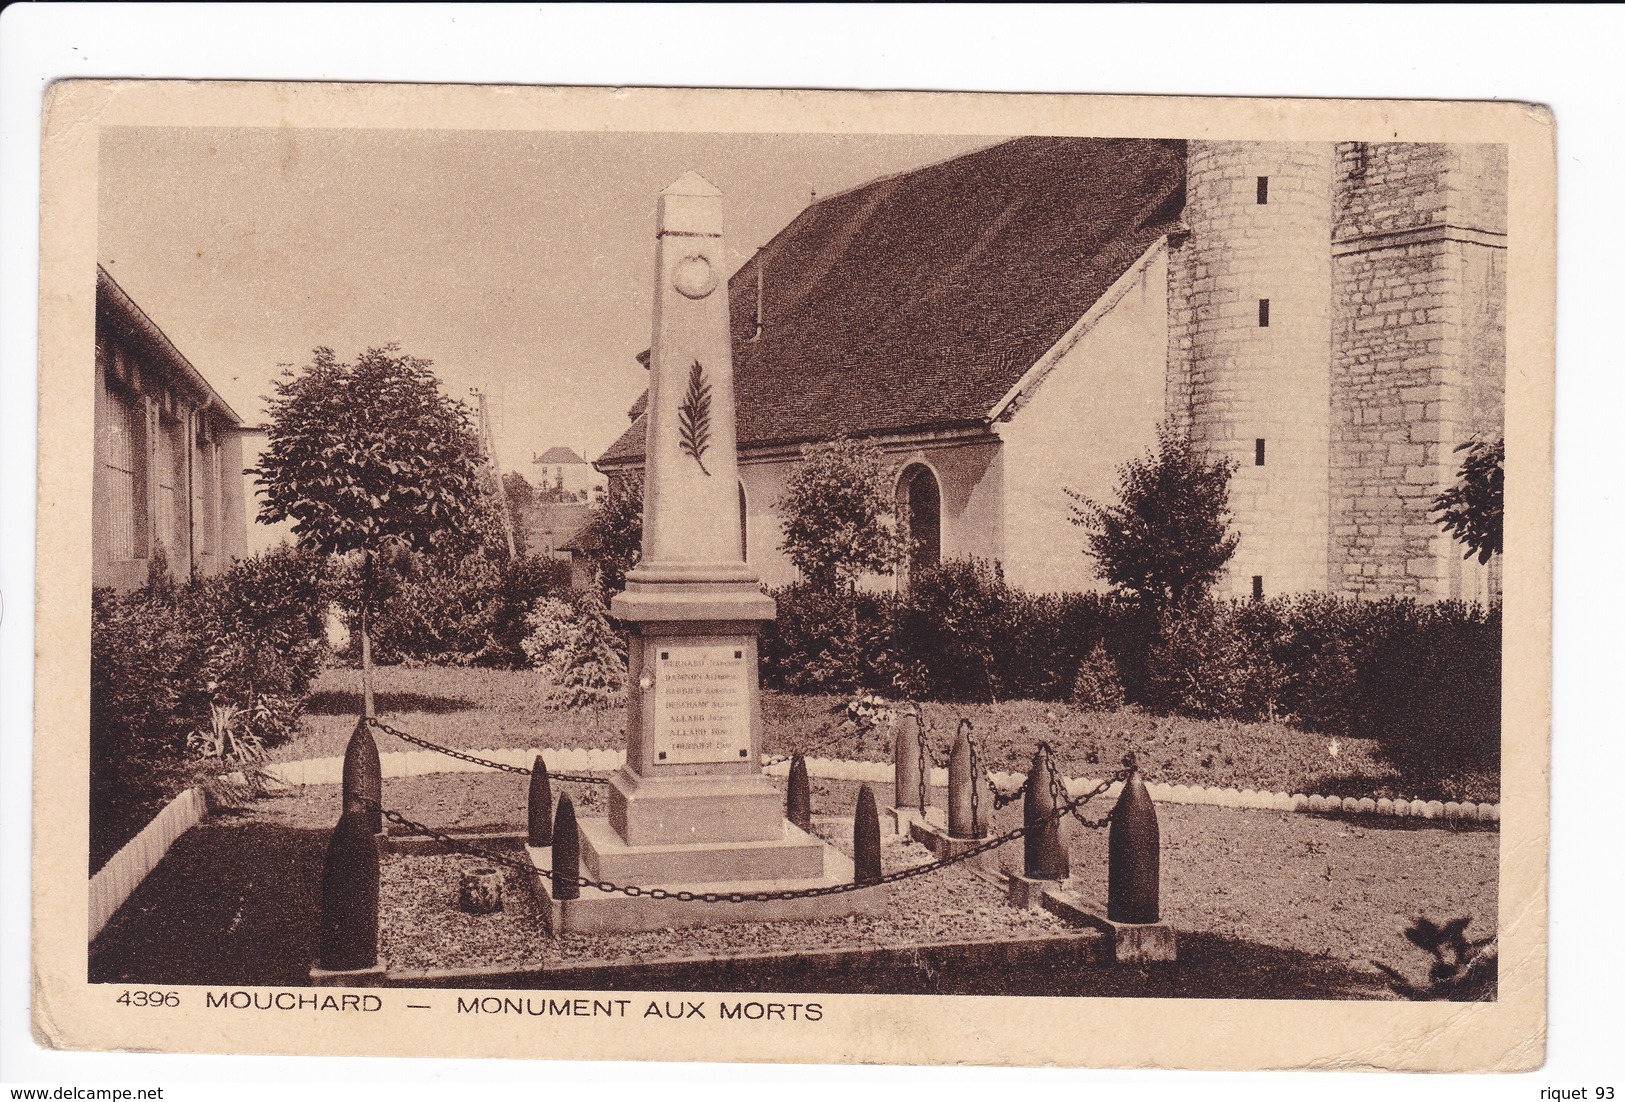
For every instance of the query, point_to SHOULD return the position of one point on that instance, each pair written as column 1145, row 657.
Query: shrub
column 574, row 645
column 837, row 514
column 1097, row 686
column 955, row 619
column 824, row 642
column 461, row 610
column 216, row 668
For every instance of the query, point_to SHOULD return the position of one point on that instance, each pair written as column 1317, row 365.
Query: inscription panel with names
column 702, row 704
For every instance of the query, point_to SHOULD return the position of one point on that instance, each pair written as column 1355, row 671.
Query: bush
column 219, row 667
column 459, row 610
column 829, row 642
column 1098, row 686
column 574, row 645
column 1423, row 679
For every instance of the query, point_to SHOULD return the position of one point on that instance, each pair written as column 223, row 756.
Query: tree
column 521, row 497
column 1471, row 509
column 372, row 457
column 613, row 536
column 1168, row 538
column 837, row 514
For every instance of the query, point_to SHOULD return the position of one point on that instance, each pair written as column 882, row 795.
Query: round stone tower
column 1250, row 348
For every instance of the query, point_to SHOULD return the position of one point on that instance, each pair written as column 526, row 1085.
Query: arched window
column 744, row 527
column 919, row 505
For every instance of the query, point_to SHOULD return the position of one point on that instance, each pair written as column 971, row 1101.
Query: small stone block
column 1299, row 801
column 1433, row 810
column 1366, row 805
column 1452, row 810
column 1029, row 894
column 1419, row 809
column 1130, row 942
column 1489, row 813
column 1402, row 808
column 1351, row 804
column 376, row 976
column 1385, row 806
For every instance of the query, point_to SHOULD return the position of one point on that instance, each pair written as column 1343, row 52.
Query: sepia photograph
column 712, row 572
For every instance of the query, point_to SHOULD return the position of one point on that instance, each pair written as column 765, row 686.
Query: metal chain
column 581, row 778
column 737, row 897
column 1002, row 800
column 1058, row 792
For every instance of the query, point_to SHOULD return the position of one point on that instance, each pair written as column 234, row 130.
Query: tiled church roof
column 915, row 302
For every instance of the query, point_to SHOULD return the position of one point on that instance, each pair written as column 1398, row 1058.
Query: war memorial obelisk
column 691, row 809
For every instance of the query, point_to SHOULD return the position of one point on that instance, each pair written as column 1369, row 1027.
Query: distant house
column 1017, row 321
column 168, row 454
column 562, row 471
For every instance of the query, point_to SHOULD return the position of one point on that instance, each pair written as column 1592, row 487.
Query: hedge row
column 163, row 656
column 467, row 611
column 1422, row 677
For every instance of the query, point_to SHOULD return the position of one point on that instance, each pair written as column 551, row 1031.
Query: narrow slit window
column 1263, row 190
column 1258, row 452
column 1263, row 313
column 1258, row 587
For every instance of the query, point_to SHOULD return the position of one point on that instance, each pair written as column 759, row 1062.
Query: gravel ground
column 1267, row 905
column 423, row 927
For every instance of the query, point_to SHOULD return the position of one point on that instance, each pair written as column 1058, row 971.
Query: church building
column 1017, row 322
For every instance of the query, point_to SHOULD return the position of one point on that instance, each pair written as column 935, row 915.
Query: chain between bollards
column 635, row 890
column 474, row 759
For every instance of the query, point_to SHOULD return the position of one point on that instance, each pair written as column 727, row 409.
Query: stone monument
column 691, row 809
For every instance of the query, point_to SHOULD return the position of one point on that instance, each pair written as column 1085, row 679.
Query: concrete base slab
column 376, row 976
column 598, row 911
column 794, row 855
column 931, row 831
column 1029, row 894
column 1127, row 942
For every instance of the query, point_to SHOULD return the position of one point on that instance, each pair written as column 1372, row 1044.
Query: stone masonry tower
column 1337, row 328
column 1250, row 330
column 1419, row 365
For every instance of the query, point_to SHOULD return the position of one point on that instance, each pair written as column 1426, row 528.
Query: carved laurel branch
column 694, row 417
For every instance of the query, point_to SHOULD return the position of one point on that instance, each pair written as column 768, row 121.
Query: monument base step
column 794, row 855
column 604, row 912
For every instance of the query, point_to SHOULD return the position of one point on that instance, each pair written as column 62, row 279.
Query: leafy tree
column 521, row 497
column 1168, row 538
column 837, row 514
column 1471, row 509
column 521, row 494
column 613, row 535
column 371, row 457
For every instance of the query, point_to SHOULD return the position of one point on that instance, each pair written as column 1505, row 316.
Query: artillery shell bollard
column 1134, row 864
column 866, row 839
column 1046, row 857
column 1045, row 863
column 798, row 796
column 963, row 809
column 907, row 790
column 566, row 852
column 363, row 785
column 539, row 832
column 348, row 939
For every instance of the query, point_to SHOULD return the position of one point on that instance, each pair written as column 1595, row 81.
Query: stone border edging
column 649, row 973
column 115, row 881
column 418, row 763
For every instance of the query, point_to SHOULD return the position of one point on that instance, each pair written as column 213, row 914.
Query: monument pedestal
column 691, row 811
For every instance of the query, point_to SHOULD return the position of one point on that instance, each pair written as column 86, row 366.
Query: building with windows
column 168, row 454
column 1016, row 322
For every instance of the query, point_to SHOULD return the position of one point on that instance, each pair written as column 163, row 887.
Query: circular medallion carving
column 694, row 277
